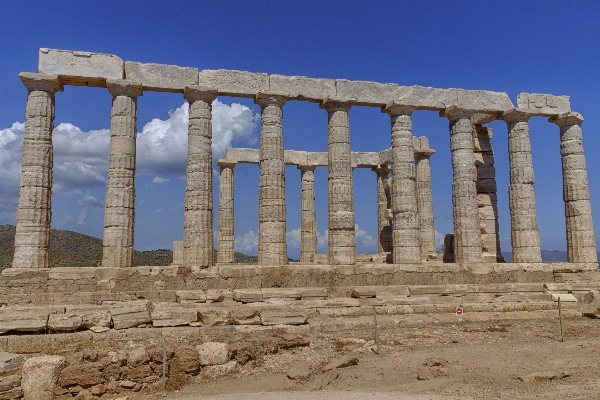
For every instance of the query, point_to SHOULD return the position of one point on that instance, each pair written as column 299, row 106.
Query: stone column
column 581, row 241
column 424, row 197
column 198, row 238
column 341, row 234
column 308, row 223
column 525, row 236
column 384, row 206
column 467, row 236
column 272, row 246
column 34, row 211
column 119, row 214
column 487, row 199
column 406, row 246
column 226, row 252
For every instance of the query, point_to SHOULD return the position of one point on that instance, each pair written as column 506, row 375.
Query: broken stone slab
column 64, row 322
column 234, row 83
column 212, row 353
column 190, row 296
column 590, row 304
column 248, row 295
column 359, row 292
column 10, row 387
column 91, row 316
column 23, row 321
column 564, row 297
column 40, row 375
column 215, row 316
column 314, row 294
column 544, row 104
column 10, row 362
column 283, row 318
column 130, row 314
column 217, row 295
column 543, row 376
column 246, row 316
column 282, row 293
column 339, row 302
column 341, row 362
column 169, row 315
column 81, row 68
column 161, row 77
column 299, row 370
column 302, row 87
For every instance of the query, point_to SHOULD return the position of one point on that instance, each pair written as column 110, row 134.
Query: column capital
column 123, row 87
column 456, row 112
column 424, row 153
column 224, row 163
column 337, row 103
column 394, row 108
column 265, row 99
column 518, row 115
column 567, row 119
column 381, row 169
column 307, row 167
column 45, row 82
column 203, row 93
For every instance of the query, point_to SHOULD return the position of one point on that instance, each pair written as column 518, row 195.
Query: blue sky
column 511, row 46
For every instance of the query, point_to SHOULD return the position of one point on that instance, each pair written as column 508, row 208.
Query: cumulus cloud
column 439, row 240
column 159, row 180
column 87, row 203
column 293, row 238
column 364, row 239
column 11, row 143
column 247, row 242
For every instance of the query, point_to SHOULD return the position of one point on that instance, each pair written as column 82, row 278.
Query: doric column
column 226, row 252
column 424, row 197
column 32, row 237
column 272, row 247
column 525, row 236
column 581, row 241
column 119, row 214
column 384, row 206
column 308, row 223
column 198, row 238
column 406, row 246
column 467, row 236
column 342, row 236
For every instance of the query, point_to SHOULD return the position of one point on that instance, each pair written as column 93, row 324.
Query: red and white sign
column 459, row 311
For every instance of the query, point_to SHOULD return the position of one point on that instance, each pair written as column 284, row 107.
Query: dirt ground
column 436, row 356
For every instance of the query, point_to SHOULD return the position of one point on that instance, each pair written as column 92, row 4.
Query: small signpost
column 459, row 311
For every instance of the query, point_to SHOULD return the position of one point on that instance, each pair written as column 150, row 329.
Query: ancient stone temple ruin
column 406, row 276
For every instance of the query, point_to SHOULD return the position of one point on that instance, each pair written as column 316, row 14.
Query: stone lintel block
column 365, row 160
column 428, row 98
column 161, row 77
column 368, row 93
column 385, row 157
column 302, row 87
column 544, row 104
column 81, row 68
column 226, row 163
column 234, row 83
column 244, row 156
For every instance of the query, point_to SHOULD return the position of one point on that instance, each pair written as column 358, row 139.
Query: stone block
column 161, row 77
column 40, row 375
column 246, row 316
column 72, row 273
column 564, row 297
column 23, row 321
column 187, row 359
column 217, row 371
column 247, row 295
column 169, row 315
column 85, row 375
column 64, row 322
column 367, row 93
column 303, row 88
column 91, row 316
column 282, row 293
column 190, row 296
column 215, row 316
column 10, row 387
column 314, row 294
column 544, row 104
column 130, row 314
column 283, row 318
column 428, row 98
column 212, row 353
column 10, row 362
column 363, row 292
column 81, row 67
column 234, row 83
column 137, row 356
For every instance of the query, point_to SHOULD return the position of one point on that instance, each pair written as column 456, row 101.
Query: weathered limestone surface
column 130, row 315
column 117, row 245
column 161, row 77
column 467, row 236
column 32, row 237
column 303, row 88
column 178, row 252
column 543, row 104
column 80, row 67
column 486, row 194
column 406, row 247
column 226, row 252
column 40, row 375
column 424, row 197
column 308, row 217
column 384, row 210
column 428, row 98
column 525, row 236
column 367, row 93
column 272, row 247
column 198, row 215
column 342, row 241
column 234, row 83
column 581, row 241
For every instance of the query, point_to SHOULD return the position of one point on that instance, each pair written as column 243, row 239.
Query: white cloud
column 364, row 239
column 293, row 238
column 247, row 242
column 159, row 180
column 439, row 241
column 11, row 142
column 87, row 203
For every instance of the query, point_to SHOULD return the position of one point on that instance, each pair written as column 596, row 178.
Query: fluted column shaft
column 226, row 252
column 424, row 197
column 341, row 234
column 32, row 238
column 406, row 246
column 198, row 238
column 119, row 214
column 308, row 223
column 467, row 236
column 384, row 206
column 272, row 247
column 525, row 236
column 581, row 240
